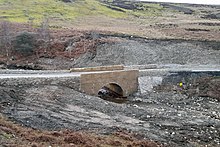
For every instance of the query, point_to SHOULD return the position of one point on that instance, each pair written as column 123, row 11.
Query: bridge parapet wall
column 98, row 68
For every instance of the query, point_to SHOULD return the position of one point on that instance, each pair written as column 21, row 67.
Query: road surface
column 157, row 70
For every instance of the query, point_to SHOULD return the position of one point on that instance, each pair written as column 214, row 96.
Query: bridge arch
column 113, row 90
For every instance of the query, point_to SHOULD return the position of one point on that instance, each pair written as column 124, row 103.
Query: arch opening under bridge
column 111, row 90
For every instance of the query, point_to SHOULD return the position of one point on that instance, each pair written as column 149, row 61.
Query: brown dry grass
column 14, row 135
column 147, row 26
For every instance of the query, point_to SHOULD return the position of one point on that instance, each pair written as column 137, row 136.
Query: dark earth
column 171, row 115
column 168, row 114
column 182, row 110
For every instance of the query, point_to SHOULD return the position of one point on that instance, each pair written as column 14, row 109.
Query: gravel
column 171, row 117
column 143, row 51
column 168, row 117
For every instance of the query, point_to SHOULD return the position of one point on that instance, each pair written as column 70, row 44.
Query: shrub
column 24, row 43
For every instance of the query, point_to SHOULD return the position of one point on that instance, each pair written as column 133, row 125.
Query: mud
column 170, row 116
column 167, row 116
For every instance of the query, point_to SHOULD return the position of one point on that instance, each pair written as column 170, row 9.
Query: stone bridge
column 86, row 80
column 115, row 78
column 123, row 81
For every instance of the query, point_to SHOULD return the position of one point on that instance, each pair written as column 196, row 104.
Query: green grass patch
column 24, row 11
column 35, row 10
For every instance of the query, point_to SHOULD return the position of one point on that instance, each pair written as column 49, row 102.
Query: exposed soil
column 79, row 49
column 193, row 85
column 181, row 29
column 171, row 117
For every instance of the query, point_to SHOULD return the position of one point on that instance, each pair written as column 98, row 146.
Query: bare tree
column 5, row 38
column 44, row 33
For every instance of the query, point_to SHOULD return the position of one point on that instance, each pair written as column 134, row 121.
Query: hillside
column 89, row 33
column 66, row 12
column 152, row 20
column 51, row 35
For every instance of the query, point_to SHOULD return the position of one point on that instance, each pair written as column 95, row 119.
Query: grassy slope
column 24, row 10
column 149, row 20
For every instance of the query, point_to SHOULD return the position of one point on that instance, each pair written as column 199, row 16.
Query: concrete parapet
column 154, row 72
column 98, row 68
column 142, row 67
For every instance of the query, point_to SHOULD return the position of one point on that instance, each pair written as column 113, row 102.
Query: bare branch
column 5, row 38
